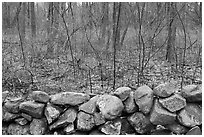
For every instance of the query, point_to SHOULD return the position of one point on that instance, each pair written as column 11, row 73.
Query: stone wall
column 163, row 110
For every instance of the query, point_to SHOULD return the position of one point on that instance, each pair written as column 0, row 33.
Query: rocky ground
column 164, row 110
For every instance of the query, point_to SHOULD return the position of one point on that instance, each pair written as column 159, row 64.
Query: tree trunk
column 33, row 20
column 104, row 21
column 170, row 56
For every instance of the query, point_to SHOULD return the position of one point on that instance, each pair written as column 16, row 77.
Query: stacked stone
column 162, row 111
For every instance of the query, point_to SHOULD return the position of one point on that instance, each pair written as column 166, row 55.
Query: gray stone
column 177, row 128
column 192, row 93
column 15, row 129
column 52, row 112
column 161, row 132
column 110, row 106
column 66, row 118
column 12, row 105
column 144, row 98
column 99, row 119
column 4, row 96
column 140, row 122
column 85, row 122
column 126, row 127
column 166, row 89
column 111, row 127
column 7, row 116
column 26, row 116
column 38, row 126
column 32, row 108
column 69, row 98
column 69, row 129
column 21, row 121
column 194, row 131
column 191, row 115
column 40, row 96
column 90, row 106
column 129, row 104
column 96, row 132
column 173, row 103
column 122, row 92
column 161, row 116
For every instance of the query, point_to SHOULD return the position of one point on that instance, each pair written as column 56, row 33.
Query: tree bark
column 33, row 19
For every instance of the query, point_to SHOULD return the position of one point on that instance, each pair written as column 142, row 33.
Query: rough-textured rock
column 161, row 116
column 38, row 126
column 122, row 92
column 69, row 129
column 12, row 105
column 85, row 122
column 96, row 132
column 140, row 122
column 15, row 129
column 40, row 96
column 99, row 119
column 52, row 112
column 192, row 93
column 26, row 116
column 69, row 98
column 66, row 118
column 129, row 104
column 32, row 108
column 161, row 132
column 110, row 106
column 21, row 121
column 177, row 128
column 111, row 127
column 90, row 106
column 144, row 98
column 191, row 115
column 126, row 128
column 4, row 96
column 173, row 103
column 7, row 116
column 194, row 131
column 166, row 89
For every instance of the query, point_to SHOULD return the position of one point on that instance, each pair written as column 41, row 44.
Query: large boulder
column 32, row 108
column 122, row 92
column 38, row 126
column 129, row 104
column 69, row 98
column 194, row 131
column 15, row 129
column 173, row 103
column 144, row 98
column 177, row 128
column 85, row 122
column 140, row 122
column 192, row 93
column 66, row 118
column 40, row 96
column 111, row 127
column 90, row 106
column 161, row 116
column 52, row 112
column 166, row 89
column 126, row 127
column 8, row 117
column 191, row 115
column 69, row 129
column 12, row 105
column 110, row 106
column 99, row 119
